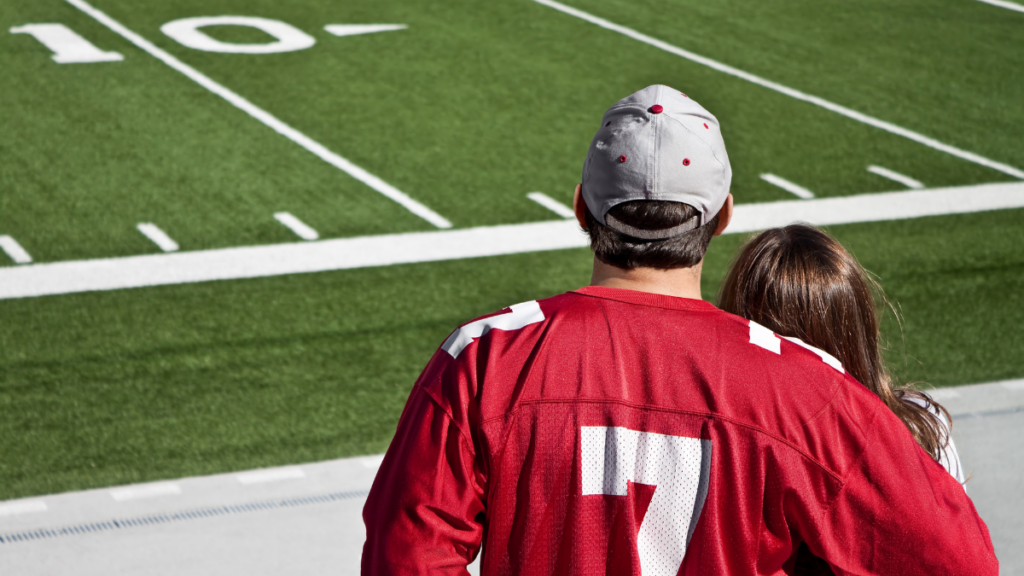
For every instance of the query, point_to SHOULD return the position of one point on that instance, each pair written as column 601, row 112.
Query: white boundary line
column 551, row 204
column 270, row 475
column 22, row 507
column 140, row 491
column 369, row 251
column 849, row 113
column 896, row 177
column 794, row 189
column 265, row 117
column 1002, row 4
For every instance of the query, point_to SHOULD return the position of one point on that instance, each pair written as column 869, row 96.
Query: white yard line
column 369, row 251
column 301, row 229
column 551, row 204
column 1004, row 4
column 158, row 236
column 896, row 177
column 725, row 68
column 794, row 189
column 14, row 250
column 267, row 118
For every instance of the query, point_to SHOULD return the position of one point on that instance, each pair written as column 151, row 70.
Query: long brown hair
column 797, row 281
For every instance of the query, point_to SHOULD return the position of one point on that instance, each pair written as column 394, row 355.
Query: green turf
column 467, row 110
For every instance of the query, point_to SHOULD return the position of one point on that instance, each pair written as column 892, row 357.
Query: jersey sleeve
column 900, row 512
column 425, row 510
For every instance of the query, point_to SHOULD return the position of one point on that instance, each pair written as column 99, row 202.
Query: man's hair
column 622, row 251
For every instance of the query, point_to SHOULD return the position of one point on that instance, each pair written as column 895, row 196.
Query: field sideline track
column 368, row 251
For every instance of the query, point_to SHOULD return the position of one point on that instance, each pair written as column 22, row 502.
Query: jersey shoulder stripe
column 765, row 338
column 518, row 316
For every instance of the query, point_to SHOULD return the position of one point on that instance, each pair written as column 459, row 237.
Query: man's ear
column 579, row 206
column 724, row 216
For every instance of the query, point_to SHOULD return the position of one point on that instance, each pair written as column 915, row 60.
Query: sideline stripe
column 794, row 189
column 158, row 236
column 896, row 177
column 272, row 475
column 14, row 250
column 1002, row 4
column 849, row 113
column 145, row 491
column 301, row 229
column 267, row 118
column 22, row 507
column 551, row 204
column 369, row 251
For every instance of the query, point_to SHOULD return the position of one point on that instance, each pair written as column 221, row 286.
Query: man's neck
column 679, row 282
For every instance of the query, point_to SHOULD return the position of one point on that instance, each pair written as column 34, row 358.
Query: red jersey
column 609, row 431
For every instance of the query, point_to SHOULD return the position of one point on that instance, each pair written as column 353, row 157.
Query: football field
column 232, row 233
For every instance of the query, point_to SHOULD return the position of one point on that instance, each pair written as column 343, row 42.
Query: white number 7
column 679, row 467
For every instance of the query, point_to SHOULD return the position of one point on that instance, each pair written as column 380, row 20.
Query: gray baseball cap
column 657, row 144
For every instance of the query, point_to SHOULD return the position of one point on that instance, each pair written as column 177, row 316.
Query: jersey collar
column 646, row 298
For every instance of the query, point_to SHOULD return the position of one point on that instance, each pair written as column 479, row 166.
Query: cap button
column 656, row 109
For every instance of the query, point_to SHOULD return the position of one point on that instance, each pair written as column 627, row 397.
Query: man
column 629, row 427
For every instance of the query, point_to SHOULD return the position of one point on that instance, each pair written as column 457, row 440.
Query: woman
column 799, row 282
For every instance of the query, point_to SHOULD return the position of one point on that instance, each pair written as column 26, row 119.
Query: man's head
column 655, row 180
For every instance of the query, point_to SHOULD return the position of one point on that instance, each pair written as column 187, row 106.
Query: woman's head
column 797, row 281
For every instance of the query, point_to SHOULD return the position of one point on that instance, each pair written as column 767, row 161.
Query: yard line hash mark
column 266, row 118
column 145, row 491
column 158, row 236
column 353, row 29
column 896, row 177
column 301, row 229
column 551, row 204
column 843, row 110
column 14, row 250
column 440, row 245
column 788, row 186
column 1004, row 4
column 67, row 46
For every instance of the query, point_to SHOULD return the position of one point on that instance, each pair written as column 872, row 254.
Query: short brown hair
column 798, row 281
column 622, row 251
